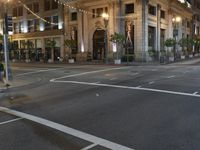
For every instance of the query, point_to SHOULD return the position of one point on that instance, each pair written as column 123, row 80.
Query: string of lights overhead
column 65, row 3
column 61, row 2
column 28, row 9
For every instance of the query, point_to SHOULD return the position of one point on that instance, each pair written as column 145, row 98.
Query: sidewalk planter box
column 117, row 61
column 71, row 61
column 162, row 59
column 50, row 61
column 190, row 56
column 28, row 60
column 150, row 58
column 171, row 59
column 182, row 57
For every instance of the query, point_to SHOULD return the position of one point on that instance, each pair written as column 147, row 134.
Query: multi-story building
column 146, row 24
column 36, row 23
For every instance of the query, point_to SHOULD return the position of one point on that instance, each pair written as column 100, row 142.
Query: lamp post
column 5, row 39
column 175, row 21
column 106, row 20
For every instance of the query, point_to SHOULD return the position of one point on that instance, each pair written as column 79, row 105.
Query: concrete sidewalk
column 14, row 83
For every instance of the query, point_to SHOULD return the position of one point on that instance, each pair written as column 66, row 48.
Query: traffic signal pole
column 5, row 38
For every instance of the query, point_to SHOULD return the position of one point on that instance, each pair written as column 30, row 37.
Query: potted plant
column 197, row 47
column 119, row 41
column 89, row 56
column 29, row 45
column 151, row 54
column 183, row 43
column 169, row 43
column 170, row 56
column 70, row 43
column 191, row 43
column 70, row 59
column 51, row 44
column 162, row 56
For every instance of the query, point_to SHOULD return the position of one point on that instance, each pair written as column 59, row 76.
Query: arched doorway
column 98, row 45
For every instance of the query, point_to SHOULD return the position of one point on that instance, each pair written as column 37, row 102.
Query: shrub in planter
column 120, row 41
column 169, row 43
column 127, row 58
column 152, row 53
column 89, row 56
column 170, row 56
column 183, row 43
column 162, row 56
column 70, row 43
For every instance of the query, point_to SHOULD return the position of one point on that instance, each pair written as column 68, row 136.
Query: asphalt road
column 98, row 107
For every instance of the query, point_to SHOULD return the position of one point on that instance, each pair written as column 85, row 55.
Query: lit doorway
column 98, row 45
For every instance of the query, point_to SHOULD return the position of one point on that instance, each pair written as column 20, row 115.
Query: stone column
column 141, row 31
column 158, row 28
column 85, row 33
column 79, row 29
column 62, row 49
column 170, row 25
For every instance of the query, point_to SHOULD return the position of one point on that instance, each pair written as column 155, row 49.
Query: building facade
column 36, row 24
column 146, row 25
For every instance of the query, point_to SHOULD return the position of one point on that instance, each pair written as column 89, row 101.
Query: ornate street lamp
column 106, row 20
column 175, row 22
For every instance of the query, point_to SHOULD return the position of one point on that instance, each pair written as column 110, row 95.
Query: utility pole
column 5, row 39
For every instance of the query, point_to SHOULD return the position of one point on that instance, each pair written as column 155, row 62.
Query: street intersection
column 100, row 107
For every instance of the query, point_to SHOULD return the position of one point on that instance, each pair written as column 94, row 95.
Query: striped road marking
column 79, row 134
column 38, row 71
column 9, row 121
column 90, row 72
column 129, row 87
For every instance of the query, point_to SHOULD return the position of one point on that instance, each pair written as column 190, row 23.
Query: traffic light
column 8, row 23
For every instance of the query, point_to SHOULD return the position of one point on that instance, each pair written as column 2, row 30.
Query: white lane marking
column 9, row 121
column 23, row 69
column 38, row 71
column 85, row 73
column 67, row 130
column 139, row 86
column 152, row 82
column 97, row 82
column 195, row 93
column 132, row 88
column 89, row 147
column 170, row 77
